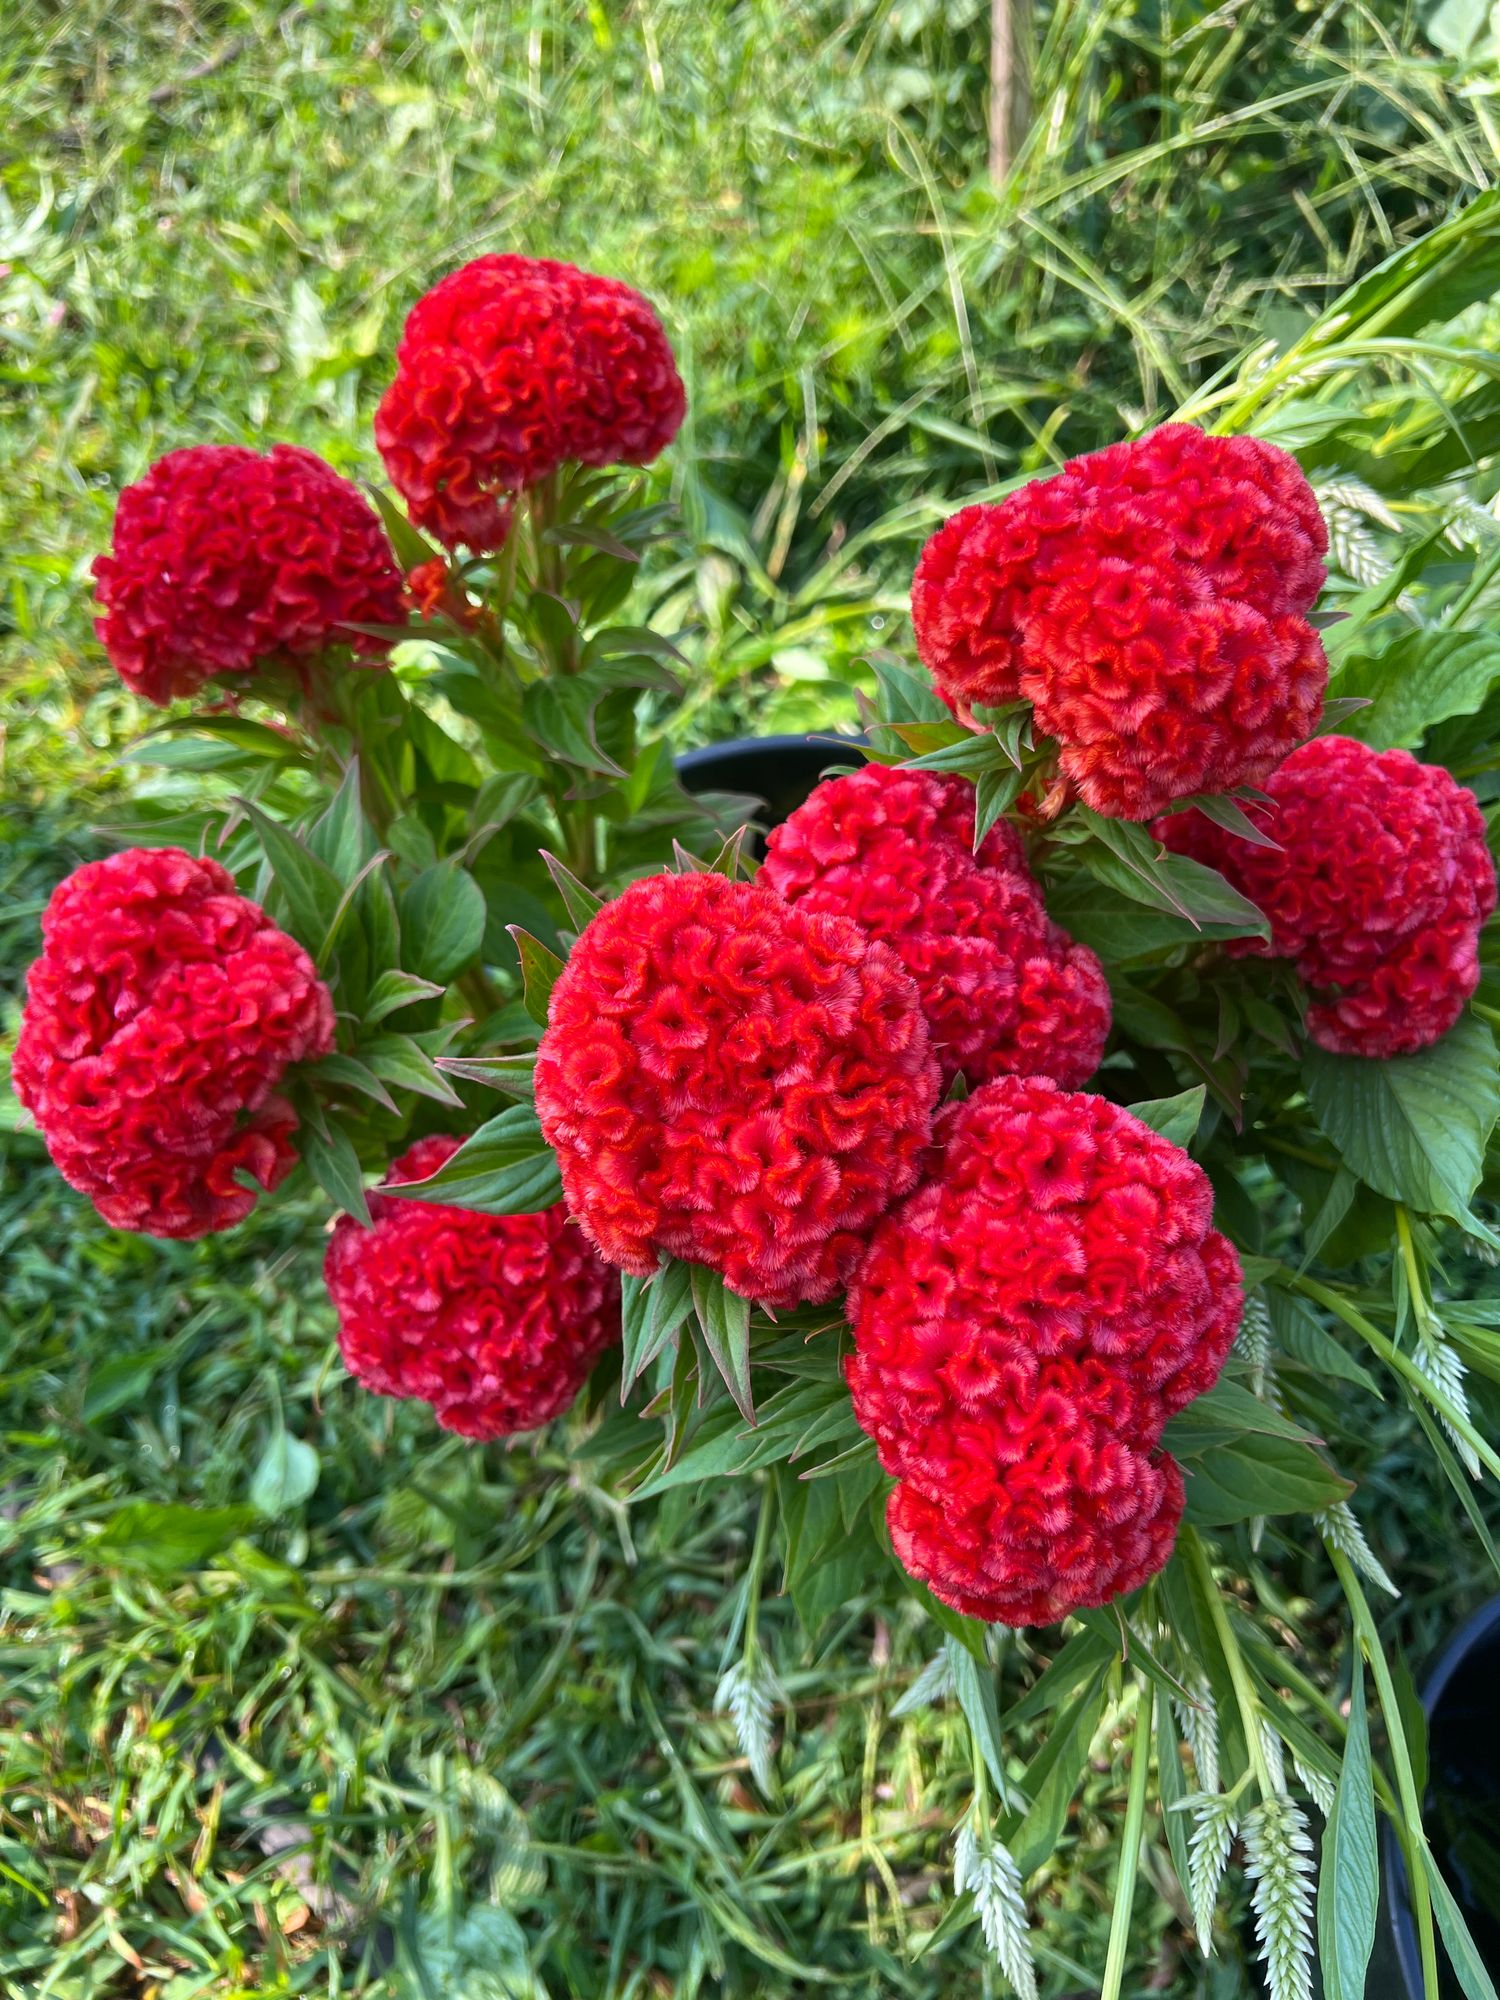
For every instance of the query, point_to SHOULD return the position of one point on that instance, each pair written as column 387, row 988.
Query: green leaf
column 724, row 1318
column 1417, row 682
column 904, row 694
column 975, row 754
column 505, row 1168
column 995, row 792
column 334, row 1165
column 974, row 1684
column 579, row 901
column 343, row 838
column 394, row 990
column 540, row 970
column 512, row 1076
column 1176, row 1118
column 1303, row 1340
column 560, row 715
column 168, row 1539
column 341, row 1072
column 1052, row 1778
column 286, row 1476
column 412, row 548
column 501, row 797
column 1414, row 1128
column 1232, row 817
column 401, row 1061
column 1463, row 1953
column 1349, row 1874
column 652, row 1312
column 1126, row 858
column 309, row 889
column 442, row 921
column 1251, row 1475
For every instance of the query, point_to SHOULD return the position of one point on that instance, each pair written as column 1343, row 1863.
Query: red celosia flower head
column 1025, row 1324
column 159, row 1020
column 495, row 1320
column 510, row 367
column 1149, row 601
column 1004, row 989
column 1377, row 894
column 733, row 1081
column 224, row 557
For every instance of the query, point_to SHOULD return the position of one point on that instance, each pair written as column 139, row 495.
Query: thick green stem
column 1244, row 1688
column 1130, row 1845
column 1415, row 1842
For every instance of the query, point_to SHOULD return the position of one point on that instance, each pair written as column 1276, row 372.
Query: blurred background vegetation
column 299, row 1697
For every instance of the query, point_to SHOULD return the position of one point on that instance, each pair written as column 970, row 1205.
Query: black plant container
column 1462, row 1807
column 780, row 771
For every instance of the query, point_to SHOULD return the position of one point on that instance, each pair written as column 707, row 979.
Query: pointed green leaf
column 310, row 890
column 974, row 1684
column 394, row 990
column 1176, row 1118
column 334, row 1165
column 724, row 1318
column 540, row 970
column 341, row 1072
column 1349, row 1874
column 442, row 921
column 580, row 902
column 505, row 1168
column 402, row 1061
column 1458, row 1942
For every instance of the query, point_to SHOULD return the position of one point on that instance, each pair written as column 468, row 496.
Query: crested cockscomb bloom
column 1025, row 1324
column 159, row 1020
column 495, row 1320
column 508, row 368
column 436, row 591
column 1005, row 989
column 731, row 1080
column 224, row 558
column 1149, row 601
column 1377, row 891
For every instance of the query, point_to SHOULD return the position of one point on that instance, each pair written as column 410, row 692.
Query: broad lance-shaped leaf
column 540, row 970
column 1128, row 859
column 652, row 1312
column 442, row 921
column 309, row 889
column 724, row 1318
column 395, row 990
column 401, row 1060
column 1176, row 1118
column 333, row 1163
column 579, row 901
column 1414, row 1128
column 1422, row 679
column 1349, row 1877
column 505, row 1168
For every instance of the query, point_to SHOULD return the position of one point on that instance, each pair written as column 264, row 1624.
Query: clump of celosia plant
column 1024, row 1325
column 225, row 559
column 1377, row 884
column 1149, row 601
column 160, row 1019
column 496, row 1321
column 1006, row 991
column 719, row 1133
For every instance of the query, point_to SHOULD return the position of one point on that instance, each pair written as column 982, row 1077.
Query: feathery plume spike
column 986, row 1868
column 932, row 1685
column 1339, row 1527
column 1320, row 1787
column 1278, row 1850
column 1270, row 1749
column 1198, row 1724
column 1442, row 1364
column 747, row 1695
column 1215, row 1823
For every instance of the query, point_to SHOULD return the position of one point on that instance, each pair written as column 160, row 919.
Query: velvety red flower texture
column 160, row 1018
column 1005, row 990
column 1149, row 602
column 510, row 367
column 1377, row 894
column 1025, row 1324
column 223, row 558
column 495, row 1320
column 733, row 1081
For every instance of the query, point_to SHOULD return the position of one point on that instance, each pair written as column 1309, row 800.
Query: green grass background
column 388, row 1714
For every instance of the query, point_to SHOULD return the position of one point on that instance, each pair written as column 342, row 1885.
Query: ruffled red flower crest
column 495, row 1321
column 1150, row 602
column 507, row 369
column 1377, row 894
column 1005, row 990
column 1025, row 1324
column 160, row 1018
column 733, row 1081
column 223, row 558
